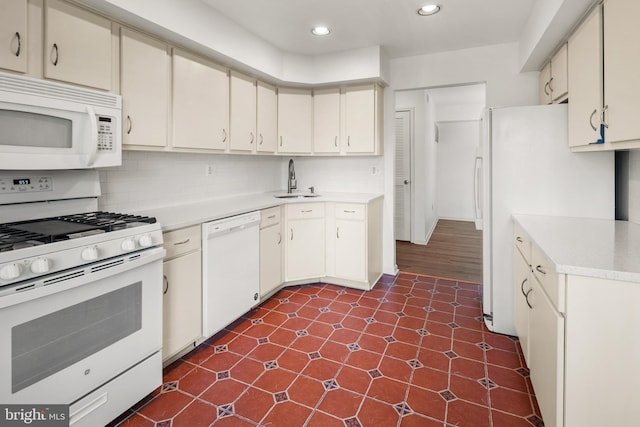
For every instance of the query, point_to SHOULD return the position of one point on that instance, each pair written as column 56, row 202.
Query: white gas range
column 80, row 297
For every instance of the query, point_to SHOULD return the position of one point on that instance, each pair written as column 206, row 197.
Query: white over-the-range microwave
column 48, row 125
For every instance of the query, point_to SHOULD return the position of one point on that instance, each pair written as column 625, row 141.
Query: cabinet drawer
column 552, row 282
column 269, row 216
column 522, row 242
column 350, row 211
column 305, row 210
column 181, row 241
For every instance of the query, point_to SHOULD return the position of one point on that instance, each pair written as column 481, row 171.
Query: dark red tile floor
column 414, row 351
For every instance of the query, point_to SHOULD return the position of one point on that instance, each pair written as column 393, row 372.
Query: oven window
column 48, row 344
column 24, row 129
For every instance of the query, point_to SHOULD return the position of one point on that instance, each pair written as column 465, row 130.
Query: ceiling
column 392, row 24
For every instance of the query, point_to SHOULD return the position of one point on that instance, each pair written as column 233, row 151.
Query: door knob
column 406, row 181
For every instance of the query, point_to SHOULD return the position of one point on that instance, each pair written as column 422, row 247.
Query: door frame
column 411, row 111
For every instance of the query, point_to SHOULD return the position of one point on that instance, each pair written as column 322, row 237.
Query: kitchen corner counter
column 587, row 247
column 185, row 215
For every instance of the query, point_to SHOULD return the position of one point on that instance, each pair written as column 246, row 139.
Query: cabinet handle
column 279, row 237
column 540, row 269
column 522, row 287
column 519, row 239
column 251, row 138
column 550, row 87
column 166, row 284
column 280, row 140
column 130, row 124
column 337, row 232
column 307, row 211
column 526, row 298
column 19, row 40
column 546, row 85
column 261, row 139
column 349, row 141
column 224, row 135
column 346, row 211
column 271, row 216
column 335, row 141
column 291, row 234
column 54, row 50
column 591, row 120
column 182, row 243
column 604, row 120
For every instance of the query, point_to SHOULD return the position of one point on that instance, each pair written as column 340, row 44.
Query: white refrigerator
column 525, row 166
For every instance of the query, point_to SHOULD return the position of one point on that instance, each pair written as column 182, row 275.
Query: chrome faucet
column 291, row 182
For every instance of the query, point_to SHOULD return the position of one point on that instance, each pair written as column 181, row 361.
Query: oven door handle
column 93, row 140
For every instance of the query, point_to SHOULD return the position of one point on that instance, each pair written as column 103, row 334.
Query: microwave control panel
column 26, row 184
column 105, row 133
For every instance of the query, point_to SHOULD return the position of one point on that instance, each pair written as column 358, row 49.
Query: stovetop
column 23, row 234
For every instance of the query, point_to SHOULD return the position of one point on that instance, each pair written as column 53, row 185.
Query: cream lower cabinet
column 182, row 301
column 522, row 289
column 580, row 341
column 270, row 251
column 305, row 241
column 13, row 32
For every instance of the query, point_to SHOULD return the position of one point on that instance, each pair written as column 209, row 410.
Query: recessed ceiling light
column 320, row 31
column 429, row 9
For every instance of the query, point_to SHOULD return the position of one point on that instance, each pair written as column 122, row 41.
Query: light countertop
column 587, row 247
column 185, row 215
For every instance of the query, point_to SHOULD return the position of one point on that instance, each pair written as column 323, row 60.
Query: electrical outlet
column 375, row 170
column 210, row 170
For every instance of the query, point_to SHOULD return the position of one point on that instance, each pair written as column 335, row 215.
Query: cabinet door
column 267, row 119
column 360, row 119
column 13, row 33
column 144, row 85
column 326, row 121
column 559, row 88
column 242, row 135
column 585, row 81
column 200, row 103
column 182, row 303
column 621, row 65
column 522, row 286
column 294, row 121
column 351, row 250
column 77, row 46
column 546, row 354
column 544, row 92
column 270, row 259
column 305, row 248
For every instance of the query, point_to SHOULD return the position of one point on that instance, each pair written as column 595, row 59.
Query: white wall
column 456, row 158
column 634, row 186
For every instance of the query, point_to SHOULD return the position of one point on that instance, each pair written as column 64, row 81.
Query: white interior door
column 402, row 216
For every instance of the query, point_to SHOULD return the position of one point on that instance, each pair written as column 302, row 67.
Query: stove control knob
column 40, row 265
column 128, row 245
column 10, row 271
column 145, row 241
column 89, row 253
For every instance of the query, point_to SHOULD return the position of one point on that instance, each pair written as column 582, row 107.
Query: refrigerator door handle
column 476, row 188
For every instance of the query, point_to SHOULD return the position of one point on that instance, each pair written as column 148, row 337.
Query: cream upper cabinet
column 77, row 47
column 294, row 121
column 200, row 103
column 144, row 85
column 621, row 69
column 267, row 118
column 242, row 136
column 558, row 82
column 13, row 33
column 362, row 120
column 585, row 81
column 326, row 121
column 544, row 91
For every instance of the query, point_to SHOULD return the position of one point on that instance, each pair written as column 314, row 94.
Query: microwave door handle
column 93, row 143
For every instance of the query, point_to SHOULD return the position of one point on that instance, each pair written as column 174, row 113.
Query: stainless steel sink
column 295, row 196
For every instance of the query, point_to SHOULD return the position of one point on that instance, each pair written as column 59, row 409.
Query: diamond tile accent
column 281, row 397
column 284, row 300
column 302, row 333
column 448, row 395
column 256, row 322
column 223, row 375
column 487, row 383
column 315, row 355
column 484, row 346
column 272, row 364
column 292, row 315
column 423, row 332
column 400, row 314
column 403, row 409
column 433, row 291
column 374, row 373
column 453, row 325
column 451, row 354
column 415, row 363
column 353, row 347
column 313, row 296
column 523, row 371
column 352, row 422
column 263, row 340
column 170, row 386
column 330, row 384
column 225, row 411
column 337, row 326
column 455, row 304
column 537, row 422
column 456, row 287
column 165, row 423
column 324, row 309
column 429, row 309
column 354, row 304
column 390, row 339
column 408, row 295
column 383, row 299
column 370, row 320
column 342, row 292
column 221, row 348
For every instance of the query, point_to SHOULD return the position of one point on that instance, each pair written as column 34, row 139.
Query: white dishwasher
column 230, row 270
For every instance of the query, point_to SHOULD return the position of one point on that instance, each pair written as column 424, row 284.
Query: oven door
column 63, row 340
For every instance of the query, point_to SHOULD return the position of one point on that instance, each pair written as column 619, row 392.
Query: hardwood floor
column 454, row 252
